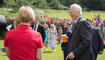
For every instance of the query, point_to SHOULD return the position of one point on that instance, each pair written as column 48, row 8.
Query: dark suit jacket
column 80, row 42
column 41, row 30
column 97, row 42
column 2, row 27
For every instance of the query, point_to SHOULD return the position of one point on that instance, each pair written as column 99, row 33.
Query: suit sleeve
column 43, row 33
column 101, row 43
column 85, row 35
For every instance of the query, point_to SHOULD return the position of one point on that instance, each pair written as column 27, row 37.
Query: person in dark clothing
column 2, row 24
column 79, row 46
column 39, row 28
column 104, row 46
column 65, row 26
column 2, row 28
column 97, row 42
column 64, row 45
column 103, row 32
column 10, row 27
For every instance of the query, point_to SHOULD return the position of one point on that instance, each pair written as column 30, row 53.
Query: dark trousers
column 95, row 56
column 65, row 49
column 65, row 54
column 104, row 46
column 95, row 53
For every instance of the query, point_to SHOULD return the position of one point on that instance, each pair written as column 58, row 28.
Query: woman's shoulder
column 11, row 31
column 34, row 32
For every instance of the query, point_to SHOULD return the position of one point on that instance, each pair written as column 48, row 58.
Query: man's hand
column 70, row 56
column 7, row 51
column 100, row 52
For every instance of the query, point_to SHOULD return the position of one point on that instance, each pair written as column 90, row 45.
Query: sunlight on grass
column 47, row 55
column 62, row 14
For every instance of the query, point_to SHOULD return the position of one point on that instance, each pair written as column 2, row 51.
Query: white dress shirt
column 36, row 26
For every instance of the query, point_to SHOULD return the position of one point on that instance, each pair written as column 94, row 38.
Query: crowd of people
column 80, row 40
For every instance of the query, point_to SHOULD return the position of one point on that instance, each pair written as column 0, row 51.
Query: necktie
column 35, row 27
column 73, row 25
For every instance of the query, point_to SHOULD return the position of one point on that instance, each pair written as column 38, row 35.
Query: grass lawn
column 47, row 55
column 58, row 55
column 60, row 13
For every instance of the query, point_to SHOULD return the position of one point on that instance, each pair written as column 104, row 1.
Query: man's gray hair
column 77, row 7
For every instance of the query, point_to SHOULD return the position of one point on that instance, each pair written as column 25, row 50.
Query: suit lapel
column 38, row 28
column 76, row 24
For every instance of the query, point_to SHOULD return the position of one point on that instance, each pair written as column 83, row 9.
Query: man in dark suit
column 2, row 24
column 39, row 28
column 79, row 46
column 97, row 41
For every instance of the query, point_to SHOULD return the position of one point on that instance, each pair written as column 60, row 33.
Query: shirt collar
column 23, row 26
column 36, row 24
column 77, row 19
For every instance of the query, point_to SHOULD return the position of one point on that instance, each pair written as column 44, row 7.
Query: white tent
column 39, row 11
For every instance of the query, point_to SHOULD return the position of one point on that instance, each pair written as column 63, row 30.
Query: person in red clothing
column 23, row 43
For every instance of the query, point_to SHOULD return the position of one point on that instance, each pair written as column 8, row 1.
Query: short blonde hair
column 16, row 22
column 53, row 26
column 26, row 14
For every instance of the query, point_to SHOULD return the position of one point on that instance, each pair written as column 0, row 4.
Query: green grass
column 65, row 13
column 2, row 54
column 47, row 55
column 60, row 13
column 58, row 55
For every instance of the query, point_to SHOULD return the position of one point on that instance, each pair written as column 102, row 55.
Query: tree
column 103, row 4
column 55, row 4
column 93, row 4
column 40, row 4
column 16, row 4
column 1, row 2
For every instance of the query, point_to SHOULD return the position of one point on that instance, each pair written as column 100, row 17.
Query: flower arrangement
column 56, row 21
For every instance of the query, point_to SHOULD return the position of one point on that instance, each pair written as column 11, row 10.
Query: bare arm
column 39, row 54
column 49, row 33
column 7, row 51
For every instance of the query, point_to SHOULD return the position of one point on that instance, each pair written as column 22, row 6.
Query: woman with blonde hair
column 16, row 23
column 46, row 38
column 52, row 37
column 23, row 43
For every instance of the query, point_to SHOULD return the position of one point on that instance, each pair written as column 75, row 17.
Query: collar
column 77, row 19
column 24, row 26
column 36, row 24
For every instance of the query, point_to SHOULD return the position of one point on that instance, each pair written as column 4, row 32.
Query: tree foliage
column 55, row 4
